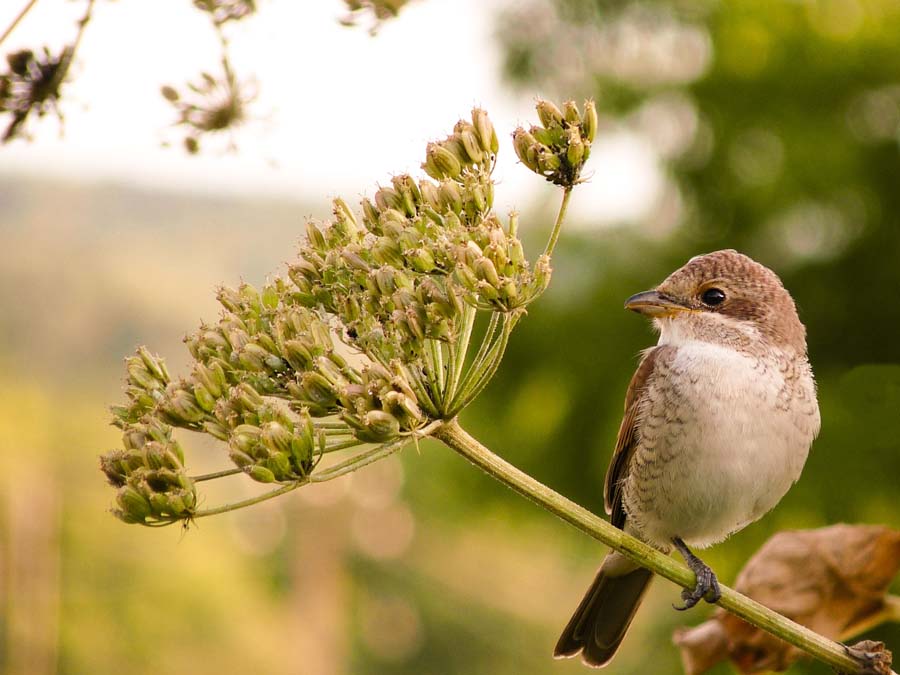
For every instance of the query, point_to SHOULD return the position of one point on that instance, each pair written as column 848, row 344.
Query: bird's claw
column 707, row 585
column 706, row 588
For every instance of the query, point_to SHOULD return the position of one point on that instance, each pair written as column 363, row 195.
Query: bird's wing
column 628, row 432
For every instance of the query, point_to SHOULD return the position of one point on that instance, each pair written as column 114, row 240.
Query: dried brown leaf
column 829, row 579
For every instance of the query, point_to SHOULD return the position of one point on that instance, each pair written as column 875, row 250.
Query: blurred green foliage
column 777, row 124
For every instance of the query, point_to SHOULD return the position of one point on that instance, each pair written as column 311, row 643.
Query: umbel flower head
column 361, row 348
column 562, row 144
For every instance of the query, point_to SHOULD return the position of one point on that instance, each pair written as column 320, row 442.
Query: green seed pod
column 485, row 270
column 370, row 215
column 261, row 474
column 465, row 277
column 487, row 137
column 155, row 365
column 315, row 237
column 549, row 114
column 522, row 141
column 487, row 291
column 246, row 396
column 318, row 390
column 297, row 355
column 276, row 437
column 451, row 196
column 420, row 259
column 570, row 112
column 470, row 144
column 379, row 426
column 252, row 357
column 442, row 162
column 183, row 407
column 343, row 213
column 241, row 459
column 280, row 466
column 430, row 194
column 548, row 161
column 542, row 273
column 575, row 149
column 387, row 198
column 139, row 376
column 589, row 128
column 204, row 398
column 134, row 504
column 215, row 430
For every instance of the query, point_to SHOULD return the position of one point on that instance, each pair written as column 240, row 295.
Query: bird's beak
column 655, row 304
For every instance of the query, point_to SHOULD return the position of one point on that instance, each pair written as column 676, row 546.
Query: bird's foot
column 706, row 587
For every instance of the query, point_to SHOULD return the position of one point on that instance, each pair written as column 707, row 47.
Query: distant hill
column 87, row 271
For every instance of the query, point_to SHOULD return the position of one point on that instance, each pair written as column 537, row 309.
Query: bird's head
column 723, row 297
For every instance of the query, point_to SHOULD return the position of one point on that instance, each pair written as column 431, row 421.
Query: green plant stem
column 459, row 349
column 817, row 646
column 557, row 226
column 216, row 474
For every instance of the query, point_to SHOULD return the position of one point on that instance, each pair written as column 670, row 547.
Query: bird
column 719, row 419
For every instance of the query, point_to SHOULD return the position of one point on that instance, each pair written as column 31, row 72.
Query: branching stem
column 817, row 646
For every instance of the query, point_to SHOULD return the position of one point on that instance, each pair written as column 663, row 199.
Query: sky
column 337, row 110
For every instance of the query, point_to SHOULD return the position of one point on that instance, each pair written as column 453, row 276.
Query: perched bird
column 719, row 418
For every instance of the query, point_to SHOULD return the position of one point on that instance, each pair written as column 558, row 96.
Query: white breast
column 721, row 443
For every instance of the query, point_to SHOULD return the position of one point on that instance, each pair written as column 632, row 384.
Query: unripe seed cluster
column 558, row 149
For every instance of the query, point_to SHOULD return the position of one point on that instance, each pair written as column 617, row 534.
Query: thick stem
column 817, row 646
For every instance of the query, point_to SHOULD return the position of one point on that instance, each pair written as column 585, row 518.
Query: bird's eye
column 713, row 297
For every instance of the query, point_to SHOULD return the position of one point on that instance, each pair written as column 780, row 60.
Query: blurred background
column 772, row 128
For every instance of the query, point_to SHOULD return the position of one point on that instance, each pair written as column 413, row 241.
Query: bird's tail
column 602, row 619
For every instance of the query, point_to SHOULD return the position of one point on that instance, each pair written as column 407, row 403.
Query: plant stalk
column 817, row 646
column 557, row 226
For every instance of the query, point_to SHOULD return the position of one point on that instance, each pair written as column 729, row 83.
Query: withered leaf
column 832, row 580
